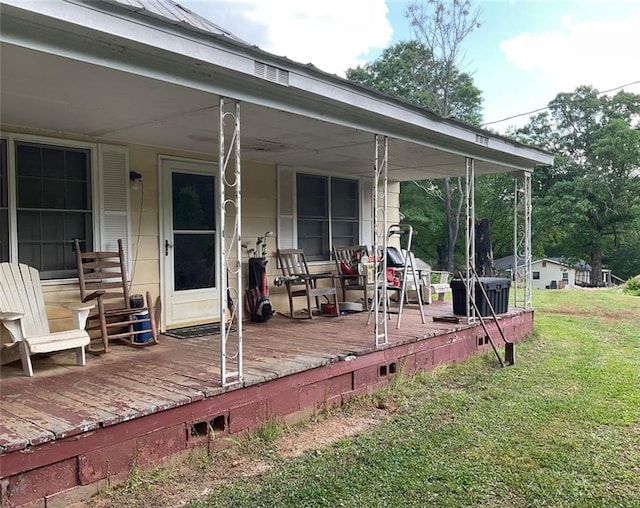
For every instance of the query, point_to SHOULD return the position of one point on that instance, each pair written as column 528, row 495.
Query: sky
column 524, row 53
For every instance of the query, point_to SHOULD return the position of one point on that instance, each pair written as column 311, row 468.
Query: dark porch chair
column 347, row 258
column 299, row 282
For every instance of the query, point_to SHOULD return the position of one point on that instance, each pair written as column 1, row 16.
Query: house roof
column 154, row 75
column 173, row 11
column 506, row 263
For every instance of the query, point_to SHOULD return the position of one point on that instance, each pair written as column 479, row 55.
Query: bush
column 632, row 287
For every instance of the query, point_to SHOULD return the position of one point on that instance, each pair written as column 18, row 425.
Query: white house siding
column 552, row 271
column 259, row 208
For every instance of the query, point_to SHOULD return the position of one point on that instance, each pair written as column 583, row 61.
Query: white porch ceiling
column 62, row 95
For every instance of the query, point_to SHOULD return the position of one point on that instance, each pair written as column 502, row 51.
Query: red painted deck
column 71, row 426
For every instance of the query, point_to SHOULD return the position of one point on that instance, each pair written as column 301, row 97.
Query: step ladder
column 407, row 272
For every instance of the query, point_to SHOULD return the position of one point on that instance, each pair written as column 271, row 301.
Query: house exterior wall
column 551, row 272
column 259, row 208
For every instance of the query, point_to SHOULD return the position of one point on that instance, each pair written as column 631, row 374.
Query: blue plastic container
column 143, row 325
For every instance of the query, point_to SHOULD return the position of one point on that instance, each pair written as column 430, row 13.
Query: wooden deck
column 65, row 410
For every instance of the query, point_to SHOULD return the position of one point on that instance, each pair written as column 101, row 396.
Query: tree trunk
column 596, row 266
column 484, row 251
column 451, row 233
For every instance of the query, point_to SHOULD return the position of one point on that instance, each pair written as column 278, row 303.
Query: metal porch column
column 380, row 239
column 229, row 244
column 470, row 236
column 522, row 278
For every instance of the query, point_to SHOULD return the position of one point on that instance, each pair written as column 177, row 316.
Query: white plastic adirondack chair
column 22, row 313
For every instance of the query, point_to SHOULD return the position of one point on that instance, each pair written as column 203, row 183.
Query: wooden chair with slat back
column 299, row 282
column 350, row 279
column 102, row 277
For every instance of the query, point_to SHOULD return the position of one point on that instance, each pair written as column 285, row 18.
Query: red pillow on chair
column 346, row 269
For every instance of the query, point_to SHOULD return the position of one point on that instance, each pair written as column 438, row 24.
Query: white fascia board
column 191, row 46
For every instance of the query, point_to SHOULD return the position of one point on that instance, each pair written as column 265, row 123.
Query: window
column 4, row 205
column 536, row 275
column 327, row 213
column 53, row 206
column 544, row 264
column 53, row 191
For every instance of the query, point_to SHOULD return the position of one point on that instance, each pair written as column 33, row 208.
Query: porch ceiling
column 63, row 95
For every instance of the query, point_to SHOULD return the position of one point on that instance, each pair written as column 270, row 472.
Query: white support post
column 523, row 277
column 380, row 239
column 470, row 239
column 229, row 244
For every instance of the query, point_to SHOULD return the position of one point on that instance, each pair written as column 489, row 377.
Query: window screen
column 53, row 206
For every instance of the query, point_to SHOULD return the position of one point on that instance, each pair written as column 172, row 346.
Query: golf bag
column 257, row 303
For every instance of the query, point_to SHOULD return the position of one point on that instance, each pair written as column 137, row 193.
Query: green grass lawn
column 560, row 428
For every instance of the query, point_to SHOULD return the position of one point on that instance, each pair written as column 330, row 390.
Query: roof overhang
column 98, row 70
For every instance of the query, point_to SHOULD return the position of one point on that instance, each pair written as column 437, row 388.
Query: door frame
column 194, row 166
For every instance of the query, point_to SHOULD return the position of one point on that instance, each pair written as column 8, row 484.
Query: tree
column 589, row 202
column 442, row 27
column 425, row 72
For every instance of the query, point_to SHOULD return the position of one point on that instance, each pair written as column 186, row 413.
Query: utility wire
column 547, row 107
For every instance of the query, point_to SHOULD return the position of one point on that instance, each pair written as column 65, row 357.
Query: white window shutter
column 366, row 211
column 114, row 180
column 286, row 208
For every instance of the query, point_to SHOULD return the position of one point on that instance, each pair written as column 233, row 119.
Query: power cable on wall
column 136, row 178
column 538, row 110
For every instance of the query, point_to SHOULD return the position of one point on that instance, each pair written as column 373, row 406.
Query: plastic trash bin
column 497, row 290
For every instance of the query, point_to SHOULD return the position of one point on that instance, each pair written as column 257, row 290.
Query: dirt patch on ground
column 195, row 477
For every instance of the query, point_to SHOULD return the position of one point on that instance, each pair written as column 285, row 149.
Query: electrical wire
column 135, row 260
column 538, row 110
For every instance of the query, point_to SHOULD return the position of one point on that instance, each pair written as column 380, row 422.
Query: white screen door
column 188, row 243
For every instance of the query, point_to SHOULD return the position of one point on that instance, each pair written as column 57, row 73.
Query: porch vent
column 271, row 73
column 482, row 140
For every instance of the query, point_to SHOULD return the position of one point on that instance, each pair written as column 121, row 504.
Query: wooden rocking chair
column 350, row 279
column 23, row 315
column 299, row 282
column 102, row 277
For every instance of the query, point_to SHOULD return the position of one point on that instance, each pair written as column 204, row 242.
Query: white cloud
column 599, row 53
column 333, row 35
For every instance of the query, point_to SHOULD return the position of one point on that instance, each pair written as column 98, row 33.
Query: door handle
column 167, row 246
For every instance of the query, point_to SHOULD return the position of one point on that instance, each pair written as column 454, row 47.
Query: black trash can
column 497, row 290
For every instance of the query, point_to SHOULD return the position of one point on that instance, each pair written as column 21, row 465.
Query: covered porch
column 69, row 430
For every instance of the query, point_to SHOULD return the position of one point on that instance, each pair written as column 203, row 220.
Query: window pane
column 28, row 160
column 29, row 192
column 194, row 261
column 313, row 238
column 4, row 215
column 76, row 195
column 193, row 202
column 4, row 235
column 30, row 254
column 344, row 199
column 29, row 229
column 77, row 166
column 53, row 162
column 312, row 196
column 345, row 233
column 53, row 207
column 53, row 194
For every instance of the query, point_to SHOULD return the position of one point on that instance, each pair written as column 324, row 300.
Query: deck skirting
column 62, row 471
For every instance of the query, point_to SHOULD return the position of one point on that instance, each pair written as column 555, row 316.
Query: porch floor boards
column 63, row 400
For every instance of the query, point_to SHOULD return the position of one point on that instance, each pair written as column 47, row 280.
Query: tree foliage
column 588, row 204
column 407, row 71
column 425, row 72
